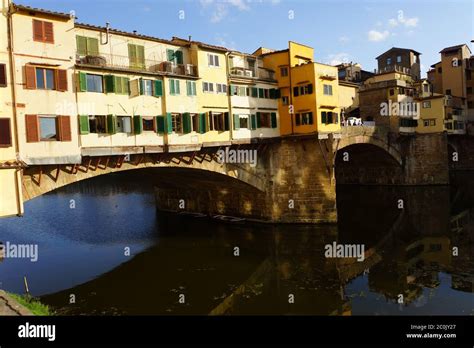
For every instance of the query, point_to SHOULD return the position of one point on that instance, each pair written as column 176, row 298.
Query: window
column 426, row 104
column 191, row 88
column 43, row 31
column 469, row 90
column 426, row 88
column 148, row 124
column 329, row 117
column 470, row 104
column 217, row 121
column 94, row 83
column 98, row 124
column 399, row 59
column 264, row 120
column 284, row 71
column 148, row 87
column 87, row 46
column 124, row 124
column 415, row 59
column 221, row 88
column 3, row 75
column 177, row 123
column 44, row 78
column 305, row 118
column 244, row 121
column 468, row 75
column 266, row 93
column 195, row 122
column 121, row 85
column 213, row 59
column 208, row 87
column 47, row 127
column 5, row 132
column 327, row 89
column 285, row 100
column 448, row 92
column 302, row 90
column 136, row 56
column 174, row 87
column 392, row 91
column 174, row 56
column 389, row 61
column 429, row 122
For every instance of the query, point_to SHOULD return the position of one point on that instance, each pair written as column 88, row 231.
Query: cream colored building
column 254, row 97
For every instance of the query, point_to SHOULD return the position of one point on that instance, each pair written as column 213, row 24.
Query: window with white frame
column 221, row 88
column 213, row 59
column 208, row 87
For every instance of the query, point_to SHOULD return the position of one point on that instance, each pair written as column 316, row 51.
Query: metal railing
column 144, row 65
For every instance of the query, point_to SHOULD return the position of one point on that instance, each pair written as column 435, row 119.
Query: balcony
column 264, row 74
column 108, row 61
column 242, row 72
column 454, row 102
column 393, row 68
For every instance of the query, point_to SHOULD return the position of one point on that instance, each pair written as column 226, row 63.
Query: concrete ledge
column 184, row 148
column 53, row 160
column 154, row 149
column 217, row 143
column 111, row 151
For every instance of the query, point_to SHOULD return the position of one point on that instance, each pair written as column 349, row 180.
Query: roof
column 398, row 48
column 200, row 44
column 121, row 32
column 453, row 48
column 43, row 11
column 273, row 52
column 434, row 65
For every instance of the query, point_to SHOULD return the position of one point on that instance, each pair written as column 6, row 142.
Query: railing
column 146, row 65
column 240, row 71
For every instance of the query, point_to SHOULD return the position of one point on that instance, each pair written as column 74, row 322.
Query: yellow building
column 10, row 175
column 309, row 91
column 212, row 92
column 432, row 114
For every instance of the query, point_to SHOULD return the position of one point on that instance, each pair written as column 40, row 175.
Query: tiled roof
column 398, row 48
column 40, row 10
column 452, row 48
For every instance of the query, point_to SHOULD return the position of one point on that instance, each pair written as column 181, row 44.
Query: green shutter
column 92, row 46
column 259, row 122
column 202, row 123
column 172, row 91
column 111, row 125
column 323, row 117
column 141, row 84
column 310, row 118
column 137, row 124
column 186, row 123
column 158, row 90
column 84, row 124
column 160, row 124
column 82, row 82
column 81, row 45
column 177, row 83
column 272, row 93
column 226, row 121
column 179, row 57
column 188, row 88
column 236, row 122
column 170, row 55
column 126, row 85
column 110, row 83
column 233, row 89
column 254, row 92
column 141, row 56
column 132, row 55
column 261, row 93
column 253, row 122
column 169, row 123
column 274, row 120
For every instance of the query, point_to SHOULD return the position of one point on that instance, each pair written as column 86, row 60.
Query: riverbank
column 13, row 304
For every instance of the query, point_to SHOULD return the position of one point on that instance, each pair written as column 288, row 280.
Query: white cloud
column 410, row 22
column 222, row 40
column 392, row 22
column 337, row 58
column 343, row 39
column 220, row 8
column 375, row 35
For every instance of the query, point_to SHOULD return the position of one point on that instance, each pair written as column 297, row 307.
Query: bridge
column 293, row 180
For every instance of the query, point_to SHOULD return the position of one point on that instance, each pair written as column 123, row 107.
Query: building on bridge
column 452, row 76
column 309, row 91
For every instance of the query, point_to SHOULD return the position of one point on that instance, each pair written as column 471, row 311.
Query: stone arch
column 38, row 180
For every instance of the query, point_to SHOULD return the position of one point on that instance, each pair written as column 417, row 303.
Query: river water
column 103, row 249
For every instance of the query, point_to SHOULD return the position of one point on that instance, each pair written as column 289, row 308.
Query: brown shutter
column 32, row 129
column 37, row 30
column 5, row 132
column 48, row 32
column 61, row 76
column 30, row 77
column 3, row 75
column 64, row 127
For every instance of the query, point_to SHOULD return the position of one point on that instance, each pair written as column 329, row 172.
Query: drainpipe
column 18, row 191
column 291, row 92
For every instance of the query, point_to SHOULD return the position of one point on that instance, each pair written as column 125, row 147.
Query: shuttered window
column 136, row 56
column 5, row 132
column 3, row 75
column 64, row 128
column 37, row 77
column 32, row 128
column 87, row 46
column 43, row 31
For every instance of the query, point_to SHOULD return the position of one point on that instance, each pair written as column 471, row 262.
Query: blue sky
column 339, row 30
